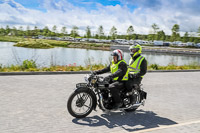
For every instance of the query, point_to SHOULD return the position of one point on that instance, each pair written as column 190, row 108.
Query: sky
column 140, row 14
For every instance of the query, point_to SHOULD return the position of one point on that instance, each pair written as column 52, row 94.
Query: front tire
column 80, row 103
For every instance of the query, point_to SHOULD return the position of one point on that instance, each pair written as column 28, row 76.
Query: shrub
column 27, row 64
column 154, row 66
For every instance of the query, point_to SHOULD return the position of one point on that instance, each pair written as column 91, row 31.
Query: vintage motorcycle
column 95, row 92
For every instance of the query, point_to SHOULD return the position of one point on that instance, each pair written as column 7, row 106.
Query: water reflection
column 65, row 56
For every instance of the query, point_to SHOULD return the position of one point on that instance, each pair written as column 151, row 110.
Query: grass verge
column 30, row 66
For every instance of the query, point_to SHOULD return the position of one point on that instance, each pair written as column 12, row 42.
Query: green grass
column 11, row 39
column 31, row 66
column 174, row 67
column 43, row 43
column 33, row 44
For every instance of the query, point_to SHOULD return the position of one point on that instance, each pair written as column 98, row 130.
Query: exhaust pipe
column 136, row 105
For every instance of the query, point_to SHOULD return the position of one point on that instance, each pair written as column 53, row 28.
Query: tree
column 14, row 31
column 35, row 28
column 7, row 31
column 141, row 37
column 54, row 30
column 198, row 31
column 175, row 28
column 113, row 32
column 175, row 35
column 27, row 28
column 178, row 37
column 2, row 31
column 88, row 32
column 74, row 31
column 64, row 30
column 196, row 40
column 21, row 33
column 163, row 36
column 186, row 37
column 167, row 38
column 100, row 32
column 28, row 31
column 21, row 28
column 160, row 35
column 155, row 28
column 96, row 36
column 191, row 39
column 130, row 32
column 46, row 31
column 35, row 31
column 151, row 37
column 49, row 33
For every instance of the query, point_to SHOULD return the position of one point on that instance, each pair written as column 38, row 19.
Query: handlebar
column 99, row 78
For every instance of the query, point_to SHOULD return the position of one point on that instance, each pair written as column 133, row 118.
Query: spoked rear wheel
column 80, row 104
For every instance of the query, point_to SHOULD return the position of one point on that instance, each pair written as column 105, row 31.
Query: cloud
column 146, row 12
column 152, row 4
column 166, row 13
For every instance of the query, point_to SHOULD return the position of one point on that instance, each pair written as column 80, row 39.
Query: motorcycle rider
column 137, row 66
column 119, row 75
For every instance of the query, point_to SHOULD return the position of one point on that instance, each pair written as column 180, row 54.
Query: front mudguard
column 88, row 90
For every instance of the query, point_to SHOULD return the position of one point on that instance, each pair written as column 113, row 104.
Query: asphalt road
column 37, row 104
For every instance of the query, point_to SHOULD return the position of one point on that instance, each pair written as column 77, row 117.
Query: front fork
column 100, row 101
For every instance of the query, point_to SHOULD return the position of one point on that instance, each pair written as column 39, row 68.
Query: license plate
column 81, row 85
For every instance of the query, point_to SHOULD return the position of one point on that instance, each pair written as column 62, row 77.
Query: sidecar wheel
column 80, row 104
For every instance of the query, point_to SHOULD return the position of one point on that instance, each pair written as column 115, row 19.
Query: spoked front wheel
column 80, row 103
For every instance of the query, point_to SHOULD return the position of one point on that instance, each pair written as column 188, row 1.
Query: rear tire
column 78, row 102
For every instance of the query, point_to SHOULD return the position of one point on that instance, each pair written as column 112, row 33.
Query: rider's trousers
column 114, row 89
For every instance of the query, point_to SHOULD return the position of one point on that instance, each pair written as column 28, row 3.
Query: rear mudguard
column 92, row 94
column 143, row 94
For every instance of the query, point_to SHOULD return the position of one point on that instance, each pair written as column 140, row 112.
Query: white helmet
column 119, row 53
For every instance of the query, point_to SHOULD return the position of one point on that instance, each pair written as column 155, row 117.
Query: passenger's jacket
column 143, row 66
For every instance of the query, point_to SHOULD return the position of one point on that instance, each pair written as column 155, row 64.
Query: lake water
column 66, row 56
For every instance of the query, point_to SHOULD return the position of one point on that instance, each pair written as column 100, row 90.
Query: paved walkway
column 37, row 104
